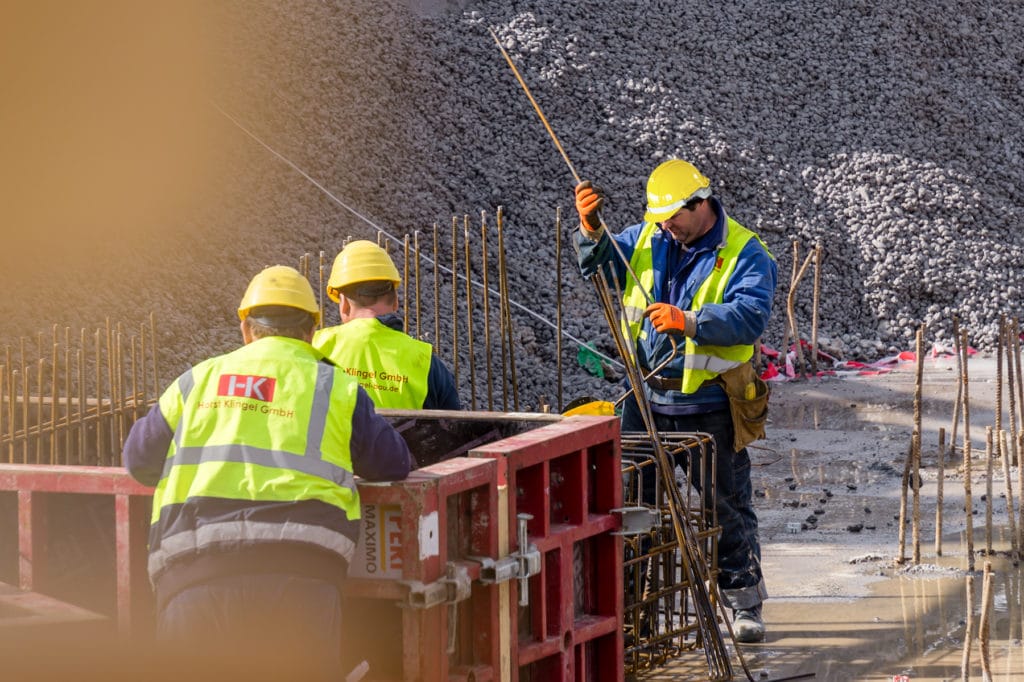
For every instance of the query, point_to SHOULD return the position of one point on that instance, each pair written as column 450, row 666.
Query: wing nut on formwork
column 456, row 586
column 636, row 520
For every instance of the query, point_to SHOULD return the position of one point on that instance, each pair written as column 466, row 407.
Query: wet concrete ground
column 828, row 481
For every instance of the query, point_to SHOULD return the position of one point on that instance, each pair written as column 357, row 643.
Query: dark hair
column 366, row 294
column 279, row 320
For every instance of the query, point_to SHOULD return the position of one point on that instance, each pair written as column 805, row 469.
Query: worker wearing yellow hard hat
column 697, row 274
column 398, row 371
column 256, row 511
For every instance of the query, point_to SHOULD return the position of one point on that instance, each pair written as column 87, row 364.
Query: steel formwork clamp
column 456, row 586
column 519, row 565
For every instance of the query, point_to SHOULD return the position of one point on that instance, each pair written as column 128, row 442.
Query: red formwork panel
column 567, row 477
column 414, row 606
column 42, row 489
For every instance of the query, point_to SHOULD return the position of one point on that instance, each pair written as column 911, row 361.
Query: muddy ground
column 841, row 607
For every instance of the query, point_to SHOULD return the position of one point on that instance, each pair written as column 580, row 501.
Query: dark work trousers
column 739, row 549
column 265, row 625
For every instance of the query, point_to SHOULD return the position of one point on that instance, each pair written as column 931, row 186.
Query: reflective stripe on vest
column 391, row 366
column 295, row 447
column 702, row 363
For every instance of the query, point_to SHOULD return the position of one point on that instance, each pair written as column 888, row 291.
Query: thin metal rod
column 469, row 314
column 814, row 309
column 320, row 290
column 437, row 292
column 938, row 491
column 917, row 446
column 988, row 490
column 416, row 270
column 487, row 312
column 968, row 502
column 1004, row 456
column 508, row 310
column 405, row 284
column 455, row 301
column 558, row 306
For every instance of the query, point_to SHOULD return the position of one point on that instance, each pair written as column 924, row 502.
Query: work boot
column 747, row 626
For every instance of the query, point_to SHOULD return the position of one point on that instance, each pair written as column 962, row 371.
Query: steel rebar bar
column 968, row 503
column 469, row 315
column 487, row 311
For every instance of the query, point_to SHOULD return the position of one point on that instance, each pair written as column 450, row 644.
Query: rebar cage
column 658, row 619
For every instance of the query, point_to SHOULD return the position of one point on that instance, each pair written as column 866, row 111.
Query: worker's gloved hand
column 668, row 319
column 589, row 200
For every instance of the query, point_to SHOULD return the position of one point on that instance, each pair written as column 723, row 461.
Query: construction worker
column 397, row 371
column 708, row 282
column 256, row 510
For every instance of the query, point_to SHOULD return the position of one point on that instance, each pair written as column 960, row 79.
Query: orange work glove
column 668, row 319
column 589, row 200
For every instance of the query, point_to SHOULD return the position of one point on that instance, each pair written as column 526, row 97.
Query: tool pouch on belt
column 748, row 403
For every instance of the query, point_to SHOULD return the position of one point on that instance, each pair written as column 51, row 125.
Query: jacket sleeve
column 743, row 314
column 441, row 391
column 591, row 255
column 379, row 453
column 145, row 448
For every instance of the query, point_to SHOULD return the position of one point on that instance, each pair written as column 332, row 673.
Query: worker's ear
column 246, row 332
column 344, row 308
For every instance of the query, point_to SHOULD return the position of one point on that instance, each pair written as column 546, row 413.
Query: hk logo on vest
column 247, row 386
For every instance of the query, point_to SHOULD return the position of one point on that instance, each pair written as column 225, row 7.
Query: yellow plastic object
column 361, row 261
column 593, row 408
column 279, row 285
column 671, row 185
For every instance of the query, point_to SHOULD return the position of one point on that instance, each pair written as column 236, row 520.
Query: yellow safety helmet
column 672, row 185
column 361, row 261
column 279, row 285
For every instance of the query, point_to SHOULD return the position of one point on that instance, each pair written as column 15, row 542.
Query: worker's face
column 690, row 222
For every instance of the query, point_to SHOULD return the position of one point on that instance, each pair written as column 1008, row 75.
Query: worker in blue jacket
column 256, row 510
column 705, row 292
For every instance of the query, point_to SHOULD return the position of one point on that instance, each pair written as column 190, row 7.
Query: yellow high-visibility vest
column 267, row 424
column 392, row 367
column 702, row 362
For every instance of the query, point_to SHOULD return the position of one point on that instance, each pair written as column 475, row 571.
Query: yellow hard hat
column 590, row 407
column 361, row 261
column 671, row 185
column 279, row 285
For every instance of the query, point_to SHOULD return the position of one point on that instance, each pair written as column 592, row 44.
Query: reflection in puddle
column 912, row 623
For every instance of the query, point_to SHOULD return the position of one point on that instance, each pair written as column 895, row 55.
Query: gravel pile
column 892, row 136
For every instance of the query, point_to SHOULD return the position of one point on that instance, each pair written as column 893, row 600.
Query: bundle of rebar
column 70, row 398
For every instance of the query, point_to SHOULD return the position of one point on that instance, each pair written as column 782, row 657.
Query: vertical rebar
column 405, row 284
column 487, row 311
column 437, row 293
column 1004, row 455
column 558, row 305
column 814, row 309
column 988, row 491
column 416, row 271
column 1017, row 362
column 455, row 301
column 24, row 403
column 119, row 363
column 320, row 290
column 153, row 343
column 968, row 503
column 3, row 401
column 958, row 402
column 508, row 310
column 67, row 395
column 905, row 483
column 40, row 365
column 54, row 359
column 965, row 663
column 916, row 444
column 1006, row 339
column 984, row 623
column 469, row 315
column 938, row 491
column 80, row 356
column 99, row 402
column 502, row 316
